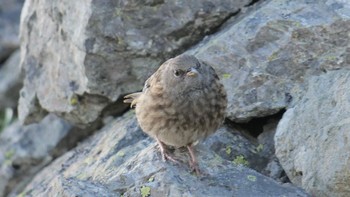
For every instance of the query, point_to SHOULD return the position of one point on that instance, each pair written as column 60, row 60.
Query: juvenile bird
column 181, row 103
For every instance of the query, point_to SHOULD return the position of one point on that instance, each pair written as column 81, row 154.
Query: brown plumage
column 181, row 103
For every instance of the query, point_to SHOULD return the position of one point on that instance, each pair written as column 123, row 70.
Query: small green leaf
column 145, row 191
column 120, row 154
column 74, row 100
column 240, row 160
column 151, row 179
column 23, row 194
column 251, row 178
column 228, row 150
column 226, row 75
column 331, row 58
column 273, row 56
column 260, row 147
column 9, row 154
column 6, row 118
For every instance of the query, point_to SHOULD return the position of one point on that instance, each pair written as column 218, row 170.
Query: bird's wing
column 132, row 98
column 156, row 88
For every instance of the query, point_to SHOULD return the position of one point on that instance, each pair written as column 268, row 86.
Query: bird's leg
column 193, row 161
column 164, row 153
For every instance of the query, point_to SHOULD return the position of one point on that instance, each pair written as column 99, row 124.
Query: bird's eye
column 178, row 72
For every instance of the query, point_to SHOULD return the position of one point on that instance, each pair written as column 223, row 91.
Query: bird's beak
column 192, row 73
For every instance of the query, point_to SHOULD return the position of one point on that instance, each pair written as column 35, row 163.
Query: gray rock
column 231, row 145
column 122, row 160
column 275, row 171
column 312, row 138
column 10, row 81
column 266, row 138
column 79, row 62
column 265, row 57
column 266, row 148
column 24, row 150
column 10, row 11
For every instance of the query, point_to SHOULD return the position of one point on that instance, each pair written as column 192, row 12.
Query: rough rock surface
column 266, row 145
column 79, row 62
column 122, row 160
column 312, row 139
column 26, row 150
column 264, row 58
column 10, row 81
column 9, row 27
column 81, row 56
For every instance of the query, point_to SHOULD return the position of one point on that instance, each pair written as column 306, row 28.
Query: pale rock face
column 81, row 56
column 264, row 58
column 312, row 138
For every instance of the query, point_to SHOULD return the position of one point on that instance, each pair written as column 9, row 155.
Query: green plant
column 240, row 160
column 228, row 150
column 145, row 191
column 6, row 118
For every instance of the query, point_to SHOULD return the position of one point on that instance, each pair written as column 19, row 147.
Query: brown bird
column 181, row 103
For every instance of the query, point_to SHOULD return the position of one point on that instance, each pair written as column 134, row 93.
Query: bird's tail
column 132, row 98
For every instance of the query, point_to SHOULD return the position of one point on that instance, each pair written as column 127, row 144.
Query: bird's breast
column 180, row 120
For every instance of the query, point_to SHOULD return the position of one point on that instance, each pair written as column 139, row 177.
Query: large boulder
column 25, row 150
column 121, row 160
column 312, row 139
column 264, row 57
column 81, row 56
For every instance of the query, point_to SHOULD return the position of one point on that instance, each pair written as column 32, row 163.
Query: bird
column 180, row 104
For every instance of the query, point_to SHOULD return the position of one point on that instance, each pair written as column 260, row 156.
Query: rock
column 79, row 62
column 24, row 150
column 10, row 11
column 10, row 82
column 122, row 160
column 231, row 145
column 312, row 138
column 266, row 138
column 266, row 148
column 275, row 171
column 265, row 57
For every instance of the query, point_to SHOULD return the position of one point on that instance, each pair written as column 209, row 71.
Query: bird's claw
column 194, row 168
column 166, row 156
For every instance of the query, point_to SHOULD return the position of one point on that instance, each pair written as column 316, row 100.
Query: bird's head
column 185, row 73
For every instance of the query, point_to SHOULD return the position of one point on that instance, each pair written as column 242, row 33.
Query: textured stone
column 79, row 62
column 9, row 27
column 81, row 56
column 312, row 139
column 266, row 148
column 10, row 81
column 264, row 57
column 26, row 150
column 122, row 160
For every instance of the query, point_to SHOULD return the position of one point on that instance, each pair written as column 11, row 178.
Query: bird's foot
column 194, row 168
column 193, row 161
column 165, row 155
